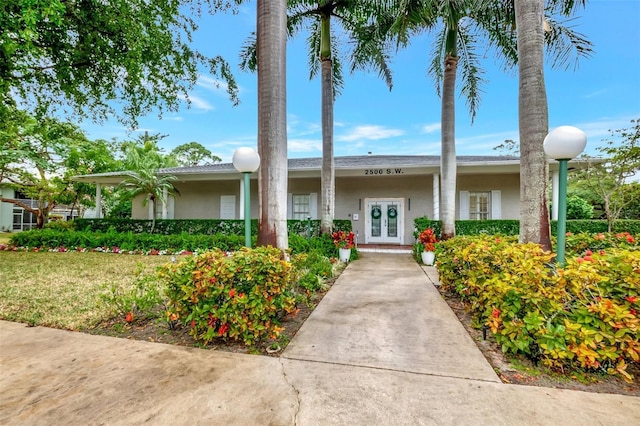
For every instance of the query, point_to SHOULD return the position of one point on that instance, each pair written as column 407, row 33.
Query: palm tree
column 355, row 18
column 459, row 22
column 272, row 122
column 533, row 30
column 146, row 181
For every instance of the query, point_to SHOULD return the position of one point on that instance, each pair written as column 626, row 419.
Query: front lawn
column 62, row 290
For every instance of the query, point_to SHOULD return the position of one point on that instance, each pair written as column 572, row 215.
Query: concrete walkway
column 381, row 348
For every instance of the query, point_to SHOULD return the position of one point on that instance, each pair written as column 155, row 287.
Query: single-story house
column 380, row 194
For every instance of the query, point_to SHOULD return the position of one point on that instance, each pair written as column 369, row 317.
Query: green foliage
column 201, row 226
column 585, row 315
column 312, row 269
column 143, row 300
column 242, row 295
column 578, row 208
column 124, row 241
column 512, row 227
column 82, row 54
column 194, row 154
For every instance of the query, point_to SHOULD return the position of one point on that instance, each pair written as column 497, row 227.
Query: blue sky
column 603, row 93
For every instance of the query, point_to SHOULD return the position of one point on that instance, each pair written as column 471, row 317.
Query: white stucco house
column 380, row 194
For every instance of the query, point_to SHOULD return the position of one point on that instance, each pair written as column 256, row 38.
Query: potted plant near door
column 428, row 240
column 344, row 242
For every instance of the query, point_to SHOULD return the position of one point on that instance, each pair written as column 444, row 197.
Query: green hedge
column 512, row 227
column 129, row 241
column 200, row 226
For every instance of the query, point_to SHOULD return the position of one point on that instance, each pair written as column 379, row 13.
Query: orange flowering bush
column 583, row 315
column 428, row 239
column 343, row 239
column 241, row 295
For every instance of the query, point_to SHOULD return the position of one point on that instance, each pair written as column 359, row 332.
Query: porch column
column 165, row 195
column 436, row 196
column 241, row 199
column 98, row 214
column 555, row 187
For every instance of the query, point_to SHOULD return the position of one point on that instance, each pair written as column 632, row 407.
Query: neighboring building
column 14, row 218
column 381, row 195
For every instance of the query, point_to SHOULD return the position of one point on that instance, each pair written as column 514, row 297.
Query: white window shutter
column 464, row 205
column 313, row 205
column 496, row 205
column 289, row 206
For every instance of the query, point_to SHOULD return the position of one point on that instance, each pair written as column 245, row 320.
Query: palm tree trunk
column 533, row 124
column 272, row 122
column 328, row 169
column 448, row 168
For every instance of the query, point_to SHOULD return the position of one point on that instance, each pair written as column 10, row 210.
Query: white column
column 555, row 189
column 436, row 196
column 165, row 195
column 241, row 198
column 98, row 214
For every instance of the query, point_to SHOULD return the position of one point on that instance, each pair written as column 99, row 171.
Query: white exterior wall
column 6, row 210
column 201, row 199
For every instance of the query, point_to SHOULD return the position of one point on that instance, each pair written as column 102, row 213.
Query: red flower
column 232, row 292
column 588, row 259
column 343, row 240
column 129, row 317
column 428, row 239
column 193, row 323
column 495, row 313
column 630, row 239
column 631, row 299
column 223, row 329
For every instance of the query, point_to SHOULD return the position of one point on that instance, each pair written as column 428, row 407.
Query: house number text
column 383, row 172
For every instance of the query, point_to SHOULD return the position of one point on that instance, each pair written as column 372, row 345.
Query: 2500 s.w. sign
column 372, row 172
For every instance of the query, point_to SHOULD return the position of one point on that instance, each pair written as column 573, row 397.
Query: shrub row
column 129, row 241
column 199, row 226
column 512, row 227
column 124, row 241
column 583, row 315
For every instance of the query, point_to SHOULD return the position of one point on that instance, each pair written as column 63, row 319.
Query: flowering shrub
column 428, row 239
column 241, row 295
column 585, row 315
column 343, row 239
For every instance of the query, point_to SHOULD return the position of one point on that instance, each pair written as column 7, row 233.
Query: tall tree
column 461, row 24
column 365, row 48
column 610, row 179
column 194, row 154
column 532, row 30
column 82, row 55
column 35, row 159
column 272, row 122
column 354, row 19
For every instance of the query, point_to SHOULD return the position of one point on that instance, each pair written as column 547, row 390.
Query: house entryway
column 384, row 221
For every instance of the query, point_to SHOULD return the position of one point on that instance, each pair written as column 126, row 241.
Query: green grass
column 63, row 290
column 5, row 237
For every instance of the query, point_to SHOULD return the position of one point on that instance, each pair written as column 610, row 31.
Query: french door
column 384, row 221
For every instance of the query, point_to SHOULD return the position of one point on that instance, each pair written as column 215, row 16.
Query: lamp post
column 246, row 161
column 563, row 144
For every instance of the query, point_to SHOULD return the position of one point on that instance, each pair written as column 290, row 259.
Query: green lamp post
column 563, row 144
column 246, row 161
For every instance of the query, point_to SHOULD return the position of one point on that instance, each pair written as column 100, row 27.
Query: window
column 301, row 204
column 479, row 205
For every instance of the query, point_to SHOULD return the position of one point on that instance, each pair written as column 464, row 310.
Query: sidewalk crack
column 297, row 392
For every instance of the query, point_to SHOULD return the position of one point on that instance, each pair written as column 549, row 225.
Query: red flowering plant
column 428, row 239
column 343, row 240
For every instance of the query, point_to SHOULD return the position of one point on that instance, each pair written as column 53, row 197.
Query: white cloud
column 304, row 145
column 199, row 103
column 430, row 128
column 369, row 132
column 212, row 84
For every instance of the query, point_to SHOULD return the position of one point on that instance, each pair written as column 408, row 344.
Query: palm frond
column 565, row 46
column 471, row 72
